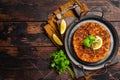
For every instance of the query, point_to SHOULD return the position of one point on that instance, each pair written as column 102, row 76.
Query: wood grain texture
column 38, row 10
column 27, row 10
column 23, row 63
column 23, row 34
column 25, row 48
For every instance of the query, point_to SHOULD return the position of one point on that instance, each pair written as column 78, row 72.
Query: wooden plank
column 39, row 10
column 23, row 34
column 28, row 52
column 27, row 10
column 12, row 58
column 33, row 75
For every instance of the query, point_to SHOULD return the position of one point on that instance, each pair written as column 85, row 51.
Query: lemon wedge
column 57, row 40
column 98, row 43
column 62, row 26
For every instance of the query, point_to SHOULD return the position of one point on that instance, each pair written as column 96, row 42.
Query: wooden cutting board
column 52, row 28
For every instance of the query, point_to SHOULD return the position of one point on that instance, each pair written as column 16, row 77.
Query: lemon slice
column 98, row 43
column 62, row 26
column 57, row 40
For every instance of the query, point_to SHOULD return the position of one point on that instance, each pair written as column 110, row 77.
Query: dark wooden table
column 24, row 47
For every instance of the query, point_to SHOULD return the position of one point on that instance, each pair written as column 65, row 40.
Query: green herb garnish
column 61, row 62
column 89, row 40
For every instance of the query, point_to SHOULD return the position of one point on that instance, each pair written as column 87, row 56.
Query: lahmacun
column 88, row 54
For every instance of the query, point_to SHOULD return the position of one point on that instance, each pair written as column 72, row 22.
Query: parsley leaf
column 61, row 62
column 89, row 40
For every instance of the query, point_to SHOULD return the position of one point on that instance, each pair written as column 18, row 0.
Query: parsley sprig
column 89, row 40
column 61, row 62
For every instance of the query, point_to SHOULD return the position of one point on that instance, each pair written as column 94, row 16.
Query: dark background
column 24, row 47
